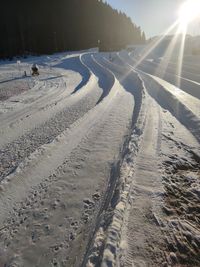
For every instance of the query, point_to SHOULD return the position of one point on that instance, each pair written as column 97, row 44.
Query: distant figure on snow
column 110, row 57
column 35, row 69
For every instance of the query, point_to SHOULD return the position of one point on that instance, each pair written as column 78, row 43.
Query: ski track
column 99, row 164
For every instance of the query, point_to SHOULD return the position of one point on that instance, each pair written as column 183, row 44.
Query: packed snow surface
column 99, row 161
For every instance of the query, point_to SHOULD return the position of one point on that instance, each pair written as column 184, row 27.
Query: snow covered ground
column 99, row 162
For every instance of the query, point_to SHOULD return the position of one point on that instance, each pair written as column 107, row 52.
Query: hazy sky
column 154, row 16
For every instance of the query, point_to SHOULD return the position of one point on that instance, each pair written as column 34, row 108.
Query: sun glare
column 189, row 11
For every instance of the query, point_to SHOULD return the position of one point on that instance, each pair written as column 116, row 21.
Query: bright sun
column 189, row 11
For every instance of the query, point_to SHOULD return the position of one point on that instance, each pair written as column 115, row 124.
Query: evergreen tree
column 47, row 26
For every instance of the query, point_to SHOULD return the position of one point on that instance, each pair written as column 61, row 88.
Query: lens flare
column 189, row 11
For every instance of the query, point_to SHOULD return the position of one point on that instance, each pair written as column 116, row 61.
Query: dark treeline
column 47, row 26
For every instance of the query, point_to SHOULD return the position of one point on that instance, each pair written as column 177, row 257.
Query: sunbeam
column 181, row 55
column 156, row 43
column 189, row 11
column 161, row 69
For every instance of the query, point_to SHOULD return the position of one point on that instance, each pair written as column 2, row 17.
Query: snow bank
column 107, row 244
column 105, row 78
column 170, row 101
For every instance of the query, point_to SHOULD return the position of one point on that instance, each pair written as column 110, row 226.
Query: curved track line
column 176, row 107
column 185, row 75
column 191, row 87
column 39, row 111
column 76, row 64
column 96, row 243
column 130, row 81
column 52, row 154
column 104, row 249
column 105, row 78
column 78, row 105
column 102, row 127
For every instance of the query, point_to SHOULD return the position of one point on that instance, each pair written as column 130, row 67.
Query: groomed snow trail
column 51, row 196
column 188, row 85
column 155, row 232
column 151, row 224
column 99, row 163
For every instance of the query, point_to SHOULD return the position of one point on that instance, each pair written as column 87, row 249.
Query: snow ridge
column 106, row 247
